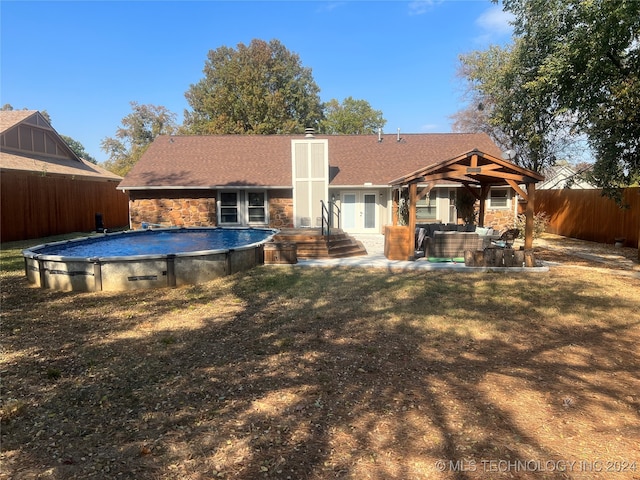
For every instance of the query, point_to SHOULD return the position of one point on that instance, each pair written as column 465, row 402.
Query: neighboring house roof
column 265, row 160
column 556, row 178
column 28, row 143
column 10, row 118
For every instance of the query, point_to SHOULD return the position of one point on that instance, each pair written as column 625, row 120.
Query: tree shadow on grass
column 333, row 373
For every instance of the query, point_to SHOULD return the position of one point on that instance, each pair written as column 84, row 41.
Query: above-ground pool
column 141, row 259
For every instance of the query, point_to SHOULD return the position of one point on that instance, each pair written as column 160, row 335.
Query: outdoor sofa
column 439, row 241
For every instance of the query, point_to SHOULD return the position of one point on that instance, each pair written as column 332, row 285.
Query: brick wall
column 499, row 219
column 173, row 212
column 280, row 209
column 171, row 209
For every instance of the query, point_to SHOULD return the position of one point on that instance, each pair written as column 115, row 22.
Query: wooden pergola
column 477, row 172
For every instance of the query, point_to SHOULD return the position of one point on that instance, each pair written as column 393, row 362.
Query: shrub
column 540, row 222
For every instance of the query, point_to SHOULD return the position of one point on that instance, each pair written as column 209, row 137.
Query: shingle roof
column 208, row 161
column 10, row 118
column 363, row 159
column 40, row 163
column 265, row 160
column 55, row 166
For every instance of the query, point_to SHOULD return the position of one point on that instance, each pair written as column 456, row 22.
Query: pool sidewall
column 140, row 271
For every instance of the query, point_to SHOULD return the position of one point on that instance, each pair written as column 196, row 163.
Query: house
column 280, row 180
column 45, row 188
column 563, row 176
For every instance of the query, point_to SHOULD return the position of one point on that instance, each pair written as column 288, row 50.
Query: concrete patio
column 613, row 262
column 374, row 243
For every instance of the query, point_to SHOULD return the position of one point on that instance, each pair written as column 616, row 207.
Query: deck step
column 310, row 243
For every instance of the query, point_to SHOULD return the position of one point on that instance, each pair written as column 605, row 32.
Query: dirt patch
column 301, row 373
column 570, row 251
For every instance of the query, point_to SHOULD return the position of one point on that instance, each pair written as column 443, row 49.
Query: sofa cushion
column 452, row 244
column 434, row 227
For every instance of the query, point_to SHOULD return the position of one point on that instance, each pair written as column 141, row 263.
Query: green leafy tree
column 353, row 117
column 78, row 149
column 261, row 88
column 480, row 71
column 517, row 113
column 138, row 130
column 589, row 54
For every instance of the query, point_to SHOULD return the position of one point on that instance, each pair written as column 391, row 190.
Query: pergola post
column 396, row 205
column 529, row 216
column 484, row 192
column 413, row 200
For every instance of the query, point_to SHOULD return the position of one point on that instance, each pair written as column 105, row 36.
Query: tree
column 352, row 117
column 589, row 54
column 261, row 88
column 138, row 130
column 78, row 149
column 475, row 117
column 517, row 113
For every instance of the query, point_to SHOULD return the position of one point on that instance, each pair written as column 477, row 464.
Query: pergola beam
column 424, row 191
column 473, row 191
column 474, row 170
column 518, row 190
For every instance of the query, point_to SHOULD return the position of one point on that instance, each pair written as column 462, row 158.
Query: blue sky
column 84, row 61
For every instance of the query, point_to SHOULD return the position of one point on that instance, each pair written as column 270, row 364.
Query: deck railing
column 330, row 216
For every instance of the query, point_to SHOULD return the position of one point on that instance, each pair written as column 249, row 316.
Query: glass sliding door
column 369, row 211
column 348, row 211
column 359, row 212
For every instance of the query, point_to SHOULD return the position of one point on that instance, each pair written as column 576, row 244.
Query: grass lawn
column 312, row 373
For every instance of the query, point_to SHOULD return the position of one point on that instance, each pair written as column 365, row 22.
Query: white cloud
column 329, row 7
column 420, row 7
column 429, row 127
column 493, row 23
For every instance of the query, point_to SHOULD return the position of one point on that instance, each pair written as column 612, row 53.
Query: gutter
column 360, row 185
column 208, row 187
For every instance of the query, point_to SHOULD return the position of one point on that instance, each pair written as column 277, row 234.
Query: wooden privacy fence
column 587, row 215
column 35, row 206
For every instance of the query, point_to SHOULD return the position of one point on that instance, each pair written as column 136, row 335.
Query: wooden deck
column 312, row 244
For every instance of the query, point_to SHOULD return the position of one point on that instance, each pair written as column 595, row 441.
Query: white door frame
column 356, row 223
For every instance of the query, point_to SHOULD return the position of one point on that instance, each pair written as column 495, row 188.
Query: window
column 229, row 207
column 242, row 207
column 256, row 206
column 426, row 207
column 499, row 198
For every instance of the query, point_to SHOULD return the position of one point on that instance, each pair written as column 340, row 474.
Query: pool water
column 158, row 242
